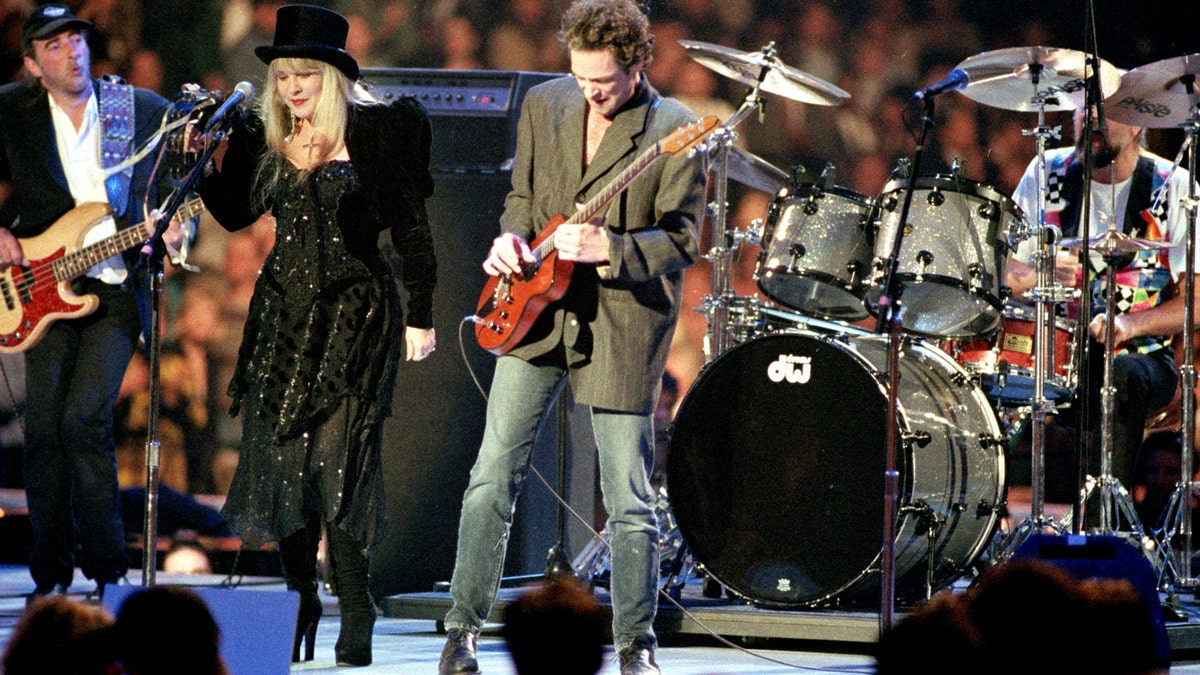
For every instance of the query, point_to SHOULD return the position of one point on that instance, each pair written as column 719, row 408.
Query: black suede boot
column 354, row 598
column 298, row 554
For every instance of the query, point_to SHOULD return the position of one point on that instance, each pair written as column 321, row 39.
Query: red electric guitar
column 510, row 304
column 33, row 297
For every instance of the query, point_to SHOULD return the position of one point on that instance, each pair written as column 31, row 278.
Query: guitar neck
column 76, row 263
column 593, row 206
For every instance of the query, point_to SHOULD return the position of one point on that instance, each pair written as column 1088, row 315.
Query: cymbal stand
column 1114, row 503
column 715, row 305
column 1046, row 294
column 1178, row 516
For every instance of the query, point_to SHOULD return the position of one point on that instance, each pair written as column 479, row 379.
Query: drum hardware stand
column 558, row 563
column 720, row 256
column 1178, row 520
column 1046, row 294
column 1114, row 502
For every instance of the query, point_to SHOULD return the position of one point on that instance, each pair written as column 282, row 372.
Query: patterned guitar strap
column 116, row 138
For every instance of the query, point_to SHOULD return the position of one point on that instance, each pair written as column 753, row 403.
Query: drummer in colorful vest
column 1138, row 193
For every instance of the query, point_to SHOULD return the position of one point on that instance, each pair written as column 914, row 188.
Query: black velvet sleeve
column 400, row 182
column 228, row 193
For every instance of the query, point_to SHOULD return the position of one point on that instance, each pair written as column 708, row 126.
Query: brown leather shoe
column 637, row 660
column 458, row 656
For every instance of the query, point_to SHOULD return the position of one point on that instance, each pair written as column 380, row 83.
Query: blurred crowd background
column 879, row 51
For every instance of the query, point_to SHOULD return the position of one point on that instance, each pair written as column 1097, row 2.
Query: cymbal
column 746, row 67
column 1114, row 243
column 1153, row 95
column 751, row 170
column 1003, row 78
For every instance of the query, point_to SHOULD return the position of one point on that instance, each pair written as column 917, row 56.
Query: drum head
column 776, row 468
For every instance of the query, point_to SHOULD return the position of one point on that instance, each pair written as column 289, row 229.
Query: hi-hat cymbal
column 747, row 67
column 1003, row 78
column 1114, row 243
column 751, row 170
column 1154, row 95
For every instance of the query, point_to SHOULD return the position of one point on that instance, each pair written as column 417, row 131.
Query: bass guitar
column 34, row 296
column 511, row 303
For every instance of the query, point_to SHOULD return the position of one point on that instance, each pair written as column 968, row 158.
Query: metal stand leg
column 1177, row 528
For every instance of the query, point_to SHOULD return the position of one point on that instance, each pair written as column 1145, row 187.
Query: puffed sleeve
column 229, row 193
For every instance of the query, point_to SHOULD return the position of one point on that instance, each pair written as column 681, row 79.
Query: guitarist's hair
column 618, row 26
column 329, row 121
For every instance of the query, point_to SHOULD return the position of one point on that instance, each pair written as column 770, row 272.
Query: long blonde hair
column 329, row 120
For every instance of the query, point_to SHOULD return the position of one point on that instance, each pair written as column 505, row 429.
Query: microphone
column 957, row 79
column 241, row 92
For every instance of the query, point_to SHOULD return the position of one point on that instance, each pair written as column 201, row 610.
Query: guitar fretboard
column 75, row 263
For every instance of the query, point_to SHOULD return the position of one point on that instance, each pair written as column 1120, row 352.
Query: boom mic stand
column 1092, row 97
column 888, row 319
column 154, row 259
column 1113, row 500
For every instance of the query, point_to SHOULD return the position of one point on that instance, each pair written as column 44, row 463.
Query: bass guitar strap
column 116, row 139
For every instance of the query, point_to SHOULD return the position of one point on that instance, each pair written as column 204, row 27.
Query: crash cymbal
column 747, row 67
column 1114, row 243
column 1003, row 78
column 751, row 170
column 1154, row 95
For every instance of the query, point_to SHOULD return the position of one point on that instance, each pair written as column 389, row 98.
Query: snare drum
column 817, row 251
column 1006, row 365
column 952, row 257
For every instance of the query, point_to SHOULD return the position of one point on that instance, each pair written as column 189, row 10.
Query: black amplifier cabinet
column 473, row 112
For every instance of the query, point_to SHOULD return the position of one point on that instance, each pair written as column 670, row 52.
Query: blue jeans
column 520, row 395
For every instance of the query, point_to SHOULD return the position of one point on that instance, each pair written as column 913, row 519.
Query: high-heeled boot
column 298, row 554
column 353, row 646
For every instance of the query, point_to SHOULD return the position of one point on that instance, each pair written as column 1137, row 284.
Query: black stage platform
column 735, row 619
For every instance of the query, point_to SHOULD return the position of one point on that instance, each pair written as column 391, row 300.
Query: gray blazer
column 615, row 323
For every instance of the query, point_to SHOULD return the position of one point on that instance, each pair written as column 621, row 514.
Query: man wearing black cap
column 52, row 140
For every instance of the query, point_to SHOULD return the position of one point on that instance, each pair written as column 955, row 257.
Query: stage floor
column 767, row 642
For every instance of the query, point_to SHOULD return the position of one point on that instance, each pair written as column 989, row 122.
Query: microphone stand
column 1093, row 97
column 154, row 260
column 889, row 320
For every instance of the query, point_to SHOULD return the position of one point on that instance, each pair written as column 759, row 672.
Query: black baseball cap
column 49, row 20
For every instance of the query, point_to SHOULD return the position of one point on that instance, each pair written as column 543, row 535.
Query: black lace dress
column 315, row 371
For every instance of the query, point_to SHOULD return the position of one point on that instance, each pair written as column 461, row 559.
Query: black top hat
column 310, row 32
column 49, row 20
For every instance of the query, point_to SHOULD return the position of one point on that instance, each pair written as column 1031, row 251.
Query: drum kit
column 776, row 465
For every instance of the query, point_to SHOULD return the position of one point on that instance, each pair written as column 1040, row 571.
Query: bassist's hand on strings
column 10, row 251
column 509, row 252
column 586, row 243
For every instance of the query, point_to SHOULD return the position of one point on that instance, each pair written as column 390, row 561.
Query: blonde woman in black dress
column 319, row 354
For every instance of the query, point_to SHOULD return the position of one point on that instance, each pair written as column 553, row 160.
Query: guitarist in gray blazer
column 608, row 335
column 50, row 129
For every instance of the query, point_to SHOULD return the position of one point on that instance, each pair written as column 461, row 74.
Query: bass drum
column 777, row 460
